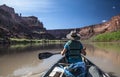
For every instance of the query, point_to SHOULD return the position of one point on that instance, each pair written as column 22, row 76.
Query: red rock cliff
column 86, row 32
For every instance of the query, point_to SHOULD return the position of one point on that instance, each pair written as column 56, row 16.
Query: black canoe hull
column 97, row 72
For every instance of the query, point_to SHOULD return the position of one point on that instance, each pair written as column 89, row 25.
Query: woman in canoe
column 73, row 48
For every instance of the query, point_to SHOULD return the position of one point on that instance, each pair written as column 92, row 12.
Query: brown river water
column 22, row 60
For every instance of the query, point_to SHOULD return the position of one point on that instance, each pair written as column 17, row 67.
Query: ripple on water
column 36, row 71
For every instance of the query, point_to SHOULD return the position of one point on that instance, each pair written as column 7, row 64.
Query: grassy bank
column 107, row 37
column 42, row 41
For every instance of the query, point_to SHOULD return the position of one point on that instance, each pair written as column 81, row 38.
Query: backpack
column 76, row 70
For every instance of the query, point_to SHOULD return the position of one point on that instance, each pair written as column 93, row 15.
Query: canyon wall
column 13, row 25
column 88, row 31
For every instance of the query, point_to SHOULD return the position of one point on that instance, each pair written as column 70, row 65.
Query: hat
column 73, row 36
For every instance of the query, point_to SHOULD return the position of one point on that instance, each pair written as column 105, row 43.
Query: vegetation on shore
column 107, row 37
column 24, row 41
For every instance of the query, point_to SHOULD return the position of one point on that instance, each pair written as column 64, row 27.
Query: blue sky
column 64, row 14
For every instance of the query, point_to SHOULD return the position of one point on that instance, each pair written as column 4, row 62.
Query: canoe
column 91, row 69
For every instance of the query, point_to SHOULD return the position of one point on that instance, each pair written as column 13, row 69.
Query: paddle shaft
column 45, row 55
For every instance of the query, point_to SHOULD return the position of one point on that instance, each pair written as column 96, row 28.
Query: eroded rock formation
column 88, row 31
column 13, row 25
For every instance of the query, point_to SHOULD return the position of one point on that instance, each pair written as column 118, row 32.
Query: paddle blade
column 44, row 55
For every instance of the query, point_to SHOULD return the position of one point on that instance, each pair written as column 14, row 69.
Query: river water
column 22, row 60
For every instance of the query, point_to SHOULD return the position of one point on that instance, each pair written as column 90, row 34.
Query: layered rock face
column 14, row 25
column 112, row 25
column 86, row 32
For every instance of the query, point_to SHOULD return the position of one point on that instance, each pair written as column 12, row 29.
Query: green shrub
column 108, row 37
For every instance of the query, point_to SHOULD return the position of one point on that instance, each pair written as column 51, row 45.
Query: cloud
column 104, row 20
column 113, row 7
column 29, row 5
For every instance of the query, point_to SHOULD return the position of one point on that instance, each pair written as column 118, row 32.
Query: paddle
column 45, row 55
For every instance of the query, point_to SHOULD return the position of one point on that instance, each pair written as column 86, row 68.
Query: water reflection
column 112, row 47
column 112, row 51
column 22, row 60
column 106, row 56
column 13, row 49
column 37, row 69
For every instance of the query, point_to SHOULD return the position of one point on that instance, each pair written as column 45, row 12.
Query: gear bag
column 76, row 70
